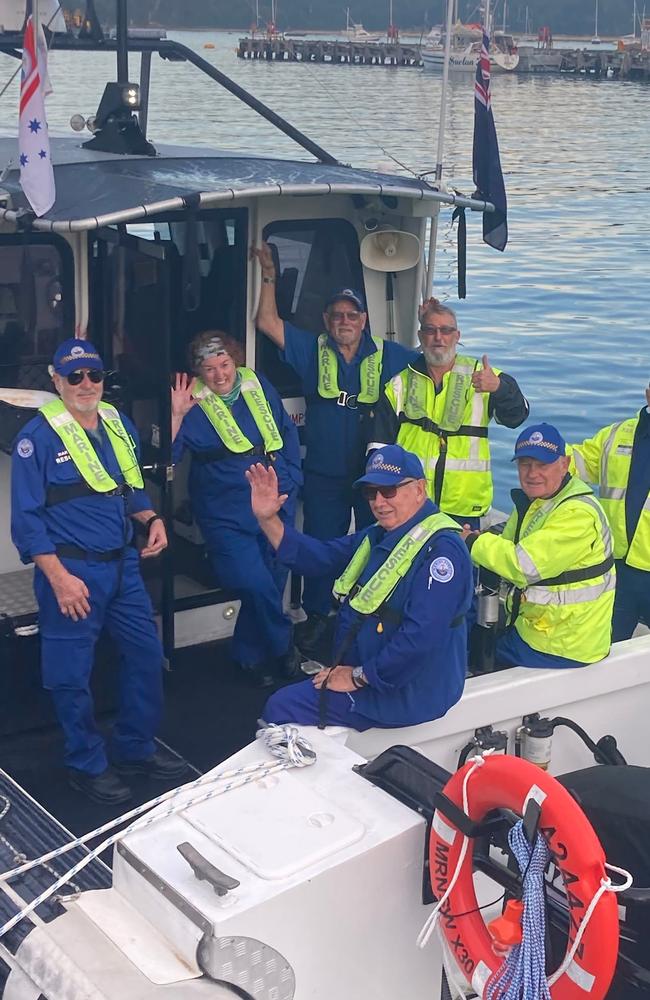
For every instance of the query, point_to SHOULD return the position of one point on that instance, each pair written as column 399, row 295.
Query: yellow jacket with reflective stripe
column 606, row 459
column 464, row 482
column 566, row 532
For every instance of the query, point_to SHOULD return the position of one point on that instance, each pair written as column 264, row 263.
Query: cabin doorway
column 154, row 286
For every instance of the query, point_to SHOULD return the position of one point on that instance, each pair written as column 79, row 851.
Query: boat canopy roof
column 95, row 189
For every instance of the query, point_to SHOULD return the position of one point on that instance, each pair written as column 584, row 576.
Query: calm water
column 566, row 308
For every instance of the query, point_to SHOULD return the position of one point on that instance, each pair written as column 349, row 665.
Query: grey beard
column 88, row 407
column 439, row 356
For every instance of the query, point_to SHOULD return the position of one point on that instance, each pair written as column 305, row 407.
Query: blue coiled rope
column 523, row 974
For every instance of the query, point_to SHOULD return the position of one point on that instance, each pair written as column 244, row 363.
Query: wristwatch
column 359, row 679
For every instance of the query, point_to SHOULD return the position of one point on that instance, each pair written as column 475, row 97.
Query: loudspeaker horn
column 389, row 250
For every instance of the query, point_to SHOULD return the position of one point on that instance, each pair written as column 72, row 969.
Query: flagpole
column 433, row 235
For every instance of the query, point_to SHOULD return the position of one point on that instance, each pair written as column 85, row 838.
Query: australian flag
column 488, row 177
column 36, row 173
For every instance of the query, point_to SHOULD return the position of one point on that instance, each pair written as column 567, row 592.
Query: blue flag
column 486, row 162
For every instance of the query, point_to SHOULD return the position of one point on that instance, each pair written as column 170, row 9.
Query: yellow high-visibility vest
column 448, row 431
column 606, row 459
column 82, row 453
column 221, row 418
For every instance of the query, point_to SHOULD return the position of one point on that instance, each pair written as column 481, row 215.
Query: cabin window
column 206, row 266
column 36, row 307
column 313, row 258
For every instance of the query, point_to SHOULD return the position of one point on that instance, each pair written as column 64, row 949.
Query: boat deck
column 210, row 713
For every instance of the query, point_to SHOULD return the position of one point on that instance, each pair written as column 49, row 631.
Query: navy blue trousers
column 512, row 651
column 328, row 502
column 632, row 601
column 118, row 601
column 300, row 703
column 246, row 563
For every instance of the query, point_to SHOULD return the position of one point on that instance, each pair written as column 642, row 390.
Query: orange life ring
column 505, row 782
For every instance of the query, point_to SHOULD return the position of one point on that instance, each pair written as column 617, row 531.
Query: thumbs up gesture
column 485, row 380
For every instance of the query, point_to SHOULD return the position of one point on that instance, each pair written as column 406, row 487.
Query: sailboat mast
column 433, row 234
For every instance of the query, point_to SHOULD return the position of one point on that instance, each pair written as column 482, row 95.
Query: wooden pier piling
column 280, row 49
column 624, row 63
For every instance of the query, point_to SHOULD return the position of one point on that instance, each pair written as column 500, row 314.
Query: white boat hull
column 329, row 867
column 466, row 62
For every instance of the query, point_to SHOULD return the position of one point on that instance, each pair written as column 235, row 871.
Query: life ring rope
column 432, row 919
column 606, row 885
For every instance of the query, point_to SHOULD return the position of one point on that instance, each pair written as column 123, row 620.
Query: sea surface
column 566, row 308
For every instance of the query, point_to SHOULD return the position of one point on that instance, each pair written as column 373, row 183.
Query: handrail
column 262, row 109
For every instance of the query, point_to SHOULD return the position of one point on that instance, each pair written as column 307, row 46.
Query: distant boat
column 596, row 40
column 12, row 15
column 355, row 31
column 466, row 51
column 296, row 34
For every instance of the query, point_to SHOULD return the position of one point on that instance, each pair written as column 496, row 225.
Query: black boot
column 288, row 666
column 258, row 675
column 105, row 787
column 314, row 636
column 161, row 765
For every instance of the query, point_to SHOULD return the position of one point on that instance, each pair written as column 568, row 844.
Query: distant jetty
column 611, row 63
column 279, row 48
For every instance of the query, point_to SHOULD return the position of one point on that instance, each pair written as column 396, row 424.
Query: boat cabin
column 146, row 247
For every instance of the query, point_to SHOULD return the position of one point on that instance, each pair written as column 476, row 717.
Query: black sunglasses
column 95, row 375
column 387, row 492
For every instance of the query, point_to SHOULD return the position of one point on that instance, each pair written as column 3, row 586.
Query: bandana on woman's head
column 210, row 349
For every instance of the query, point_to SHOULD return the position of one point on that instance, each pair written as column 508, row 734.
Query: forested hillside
column 564, row 16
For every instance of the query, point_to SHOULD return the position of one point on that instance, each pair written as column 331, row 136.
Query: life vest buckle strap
column 123, row 490
column 348, row 399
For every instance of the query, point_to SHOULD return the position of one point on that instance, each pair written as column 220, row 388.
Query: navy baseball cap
column 347, row 293
column 391, row 465
column 541, row 441
column 73, row 354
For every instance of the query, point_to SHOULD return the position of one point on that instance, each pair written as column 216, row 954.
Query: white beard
column 438, row 356
column 87, row 407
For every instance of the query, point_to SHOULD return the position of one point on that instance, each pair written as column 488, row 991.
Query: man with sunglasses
column 556, row 552
column 440, row 407
column 76, row 485
column 343, row 372
column 404, row 586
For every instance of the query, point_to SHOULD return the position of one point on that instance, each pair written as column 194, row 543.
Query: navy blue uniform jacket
column 415, row 669
column 336, row 436
column 219, row 489
column 95, row 523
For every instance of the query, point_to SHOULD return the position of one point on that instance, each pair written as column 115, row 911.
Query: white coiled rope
column 283, row 742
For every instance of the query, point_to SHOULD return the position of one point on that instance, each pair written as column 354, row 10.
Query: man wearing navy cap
column 556, row 551
column 440, row 407
column 403, row 587
column 76, row 485
column 343, row 373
